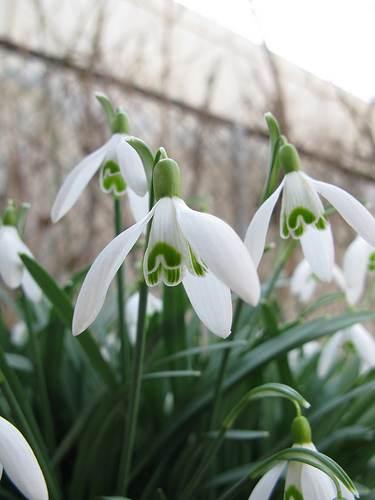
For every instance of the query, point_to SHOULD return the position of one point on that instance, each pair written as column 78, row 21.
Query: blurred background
column 189, row 84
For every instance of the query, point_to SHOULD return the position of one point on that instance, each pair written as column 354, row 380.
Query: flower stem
column 125, row 464
column 42, row 384
column 121, row 300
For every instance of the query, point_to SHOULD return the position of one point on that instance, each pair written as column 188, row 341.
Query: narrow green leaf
column 240, row 435
column 171, row 373
column 64, row 309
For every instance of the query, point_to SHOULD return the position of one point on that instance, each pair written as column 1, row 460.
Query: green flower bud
column 166, row 179
column 289, row 159
column 10, row 214
column 301, row 430
column 120, row 123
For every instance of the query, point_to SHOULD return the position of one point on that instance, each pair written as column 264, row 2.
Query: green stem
column 121, row 300
column 223, row 369
column 125, row 464
column 41, row 380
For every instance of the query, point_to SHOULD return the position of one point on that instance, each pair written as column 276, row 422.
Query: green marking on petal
column 172, row 276
column 371, row 262
column 292, row 493
column 153, row 278
column 199, row 268
column 298, row 232
column 172, row 257
column 306, row 214
column 285, row 230
column 111, row 178
column 321, row 224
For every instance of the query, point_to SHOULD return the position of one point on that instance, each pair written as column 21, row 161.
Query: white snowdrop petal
column 76, row 182
column 212, row 302
column 318, row 249
column 94, row 289
column 139, row 205
column 221, row 250
column 20, row 464
column 11, row 266
column 350, row 209
column 255, row 238
column 267, row 483
column 328, row 354
column 131, row 167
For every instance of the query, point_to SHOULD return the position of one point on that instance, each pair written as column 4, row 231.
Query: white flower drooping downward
column 197, row 249
column 303, row 481
column 302, row 216
column 20, row 464
column 122, row 171
column 12, row 269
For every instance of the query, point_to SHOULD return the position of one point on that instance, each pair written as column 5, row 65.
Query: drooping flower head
column 122, row 170
column 197, row 249
column 303, row 481
column 20, row 464
column 12, row 269
column 303, row 216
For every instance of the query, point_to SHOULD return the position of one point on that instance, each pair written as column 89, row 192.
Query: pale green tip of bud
column 10, row 214
column 301, row 430
column 167, row 179
column 120, row 123
column 289, row 159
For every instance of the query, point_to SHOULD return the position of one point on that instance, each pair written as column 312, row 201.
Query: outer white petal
column 265, row 486
column 139, row 205
column 131, row 168
column 302, row 282
column 355, row 266
column 221, row 250
column 11, row 266
column 211, row 301
column 94, row 289
column 20, row 464
column 30, row 287
column 316, row 484
column 364, row 344
column 355, row 214
column 329, row 354
column 255, row 238
column 318, row 249
column 77, row 180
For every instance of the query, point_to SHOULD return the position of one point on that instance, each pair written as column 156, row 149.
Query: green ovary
column 293, row 494
column 112, row 179
column 172, row 257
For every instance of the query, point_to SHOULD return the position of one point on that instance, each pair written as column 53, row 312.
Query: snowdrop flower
column 122, row 171
column 359, row 259
column 12, row 269
column 197, row 249
column 303, row 282
column 20, row 464
column 302, row 216
column 154, row 304
column 357, row 336
column 303, row 482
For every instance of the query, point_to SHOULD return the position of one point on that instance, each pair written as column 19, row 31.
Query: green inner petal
column 172, row 257
column 112, row 179
column 285, row 229
column 292, row 493
column 199, row 268
column 322, row 224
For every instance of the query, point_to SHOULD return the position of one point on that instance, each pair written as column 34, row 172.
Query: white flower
column 302, row 217
column 122, row 170
column 20, row 464
column 362, row 341
column 196, row 248
column 12, row 268
column 154, row 304
column 303, row 281
column 303, row 482
column 358, row 261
